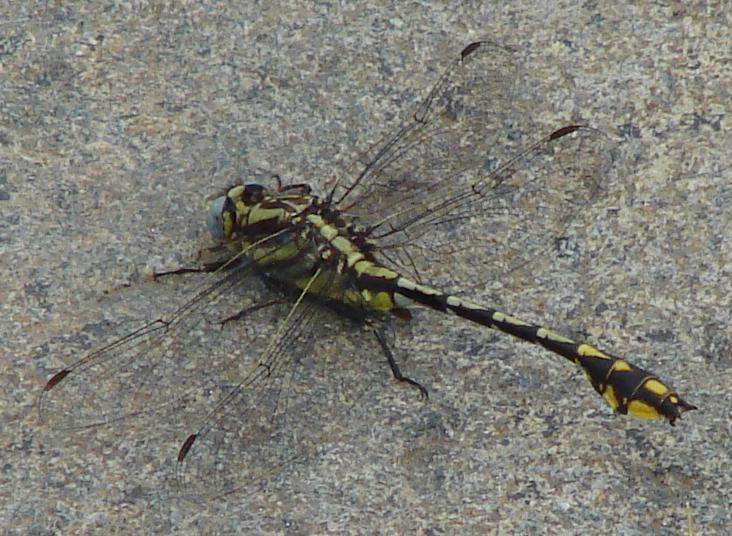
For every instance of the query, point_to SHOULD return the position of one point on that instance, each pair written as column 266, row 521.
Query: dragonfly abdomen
column 625, row 387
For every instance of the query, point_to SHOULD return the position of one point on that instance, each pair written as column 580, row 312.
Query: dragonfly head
column 228, row 211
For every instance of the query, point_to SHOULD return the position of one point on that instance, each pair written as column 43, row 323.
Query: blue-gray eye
column 215, row 220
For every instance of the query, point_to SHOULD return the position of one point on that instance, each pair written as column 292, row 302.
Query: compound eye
column 253, row 192
column 215, row 218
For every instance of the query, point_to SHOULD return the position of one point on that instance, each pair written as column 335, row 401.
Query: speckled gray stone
column 117, row 118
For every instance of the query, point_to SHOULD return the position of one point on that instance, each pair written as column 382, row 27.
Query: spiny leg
column 206, row 268
column 222, row 259
column 249, row 310
column 424, row 394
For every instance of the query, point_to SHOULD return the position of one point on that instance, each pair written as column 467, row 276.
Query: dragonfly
column 473, row 169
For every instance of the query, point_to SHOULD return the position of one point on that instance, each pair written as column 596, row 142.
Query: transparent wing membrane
column 243, row 430
column 130, row 368
column 480, row 163
column 482, row 167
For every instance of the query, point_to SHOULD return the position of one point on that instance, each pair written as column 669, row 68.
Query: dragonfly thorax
column 292, row 234
column 252, row 211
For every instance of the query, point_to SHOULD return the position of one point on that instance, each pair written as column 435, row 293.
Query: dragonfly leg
column 395, row 368
column 222, row 261
column 249, row 310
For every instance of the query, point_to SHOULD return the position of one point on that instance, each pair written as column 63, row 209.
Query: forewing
column 486, row 161
column 149, row 371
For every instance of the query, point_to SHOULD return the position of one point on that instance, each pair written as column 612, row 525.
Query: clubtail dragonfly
column 470, row 168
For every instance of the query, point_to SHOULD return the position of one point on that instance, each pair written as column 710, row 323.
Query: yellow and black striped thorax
column 292, row 234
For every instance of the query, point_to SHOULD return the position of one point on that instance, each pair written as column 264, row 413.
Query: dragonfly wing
column 146, row 372
column 487, row 160
column 282, row 410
